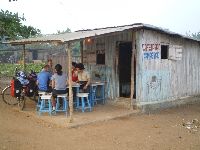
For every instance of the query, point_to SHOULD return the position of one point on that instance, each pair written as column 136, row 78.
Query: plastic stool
column 39, row 99
column 45, row 104
column 64, row 103
column 84, row 105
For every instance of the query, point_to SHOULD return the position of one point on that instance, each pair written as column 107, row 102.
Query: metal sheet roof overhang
column 73, row 36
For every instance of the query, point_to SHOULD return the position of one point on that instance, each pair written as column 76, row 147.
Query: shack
column 150, row 65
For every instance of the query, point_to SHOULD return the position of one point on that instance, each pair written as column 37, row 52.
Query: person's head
column 80, row 67
column 74, row 65
column 58, row 69
column 50, row 63
column 46, row 68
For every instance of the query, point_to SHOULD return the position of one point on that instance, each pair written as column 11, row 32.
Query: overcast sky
column 49, row 16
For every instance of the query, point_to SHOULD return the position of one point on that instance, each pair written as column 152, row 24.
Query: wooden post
column 24, row 57
column 71, row 109
column 132, row 70
column 81, row 49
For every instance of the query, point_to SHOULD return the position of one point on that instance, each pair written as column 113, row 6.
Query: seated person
column 74, row 77
column 83, row 77
column 43, row 80
column 50, row 63
column 74, row 72
column 59, row 84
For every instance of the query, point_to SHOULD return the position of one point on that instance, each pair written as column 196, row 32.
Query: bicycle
column 21, row 92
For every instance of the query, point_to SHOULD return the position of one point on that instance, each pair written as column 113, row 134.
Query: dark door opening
column 125, row 54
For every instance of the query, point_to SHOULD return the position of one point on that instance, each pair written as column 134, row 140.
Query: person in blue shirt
column 43, row 80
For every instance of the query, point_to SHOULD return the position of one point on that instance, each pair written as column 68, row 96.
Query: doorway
column 124, row 64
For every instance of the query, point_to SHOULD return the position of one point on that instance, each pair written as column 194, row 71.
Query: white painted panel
column 172, row 53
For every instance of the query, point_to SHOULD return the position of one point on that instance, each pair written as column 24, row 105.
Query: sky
column 49, row 16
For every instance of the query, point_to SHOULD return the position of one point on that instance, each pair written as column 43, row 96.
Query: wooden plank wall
column 108, row 72
column 62, row 59
column 164, row 79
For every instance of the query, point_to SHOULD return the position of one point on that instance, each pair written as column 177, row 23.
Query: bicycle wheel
column 7, row 98
column 21, row 102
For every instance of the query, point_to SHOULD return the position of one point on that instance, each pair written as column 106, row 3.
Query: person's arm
column 37, row 83
column 78, row 78
column 50, row 79
column 88, row 81
column 53, row 83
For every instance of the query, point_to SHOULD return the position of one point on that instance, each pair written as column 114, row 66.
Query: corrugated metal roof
column 78, row 35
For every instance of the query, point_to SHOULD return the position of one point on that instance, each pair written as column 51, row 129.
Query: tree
column 194, row 35
column 68, row 30
column 11, row 26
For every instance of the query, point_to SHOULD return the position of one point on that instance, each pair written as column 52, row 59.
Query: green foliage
column 35, row 67
column 11, row 26
column 194, row 35
column 66, row 31
column 28, row 31
column 9, row 69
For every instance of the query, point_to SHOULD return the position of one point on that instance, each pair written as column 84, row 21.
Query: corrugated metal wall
column 164, row 79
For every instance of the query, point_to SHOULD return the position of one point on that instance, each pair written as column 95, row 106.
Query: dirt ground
column 165, row 130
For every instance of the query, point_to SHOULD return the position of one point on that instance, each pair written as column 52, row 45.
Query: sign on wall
column 151, row 51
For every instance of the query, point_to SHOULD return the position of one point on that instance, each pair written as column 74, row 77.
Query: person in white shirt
column 83, row 77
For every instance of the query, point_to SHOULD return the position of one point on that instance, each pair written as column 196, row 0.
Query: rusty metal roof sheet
column 78, row 35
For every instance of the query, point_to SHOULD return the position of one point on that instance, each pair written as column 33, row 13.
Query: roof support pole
column 24, row 54
column 69, row 59
column 81, row 49
column 133, row 73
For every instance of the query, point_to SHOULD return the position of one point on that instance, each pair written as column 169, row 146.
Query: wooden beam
column 71, row 109
column 132, row 102
column 81, row 49
column 24, row 54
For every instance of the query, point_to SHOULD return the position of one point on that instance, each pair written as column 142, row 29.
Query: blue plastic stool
column 64, row 107
column 39, row 100
column 45, row 104
column 84, row 104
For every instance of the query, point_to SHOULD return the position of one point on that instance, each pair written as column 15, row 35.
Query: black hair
column 74, row 64
column 80, row 66
column 58, row 68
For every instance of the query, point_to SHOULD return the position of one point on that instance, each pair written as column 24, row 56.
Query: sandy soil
column 164, row 130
